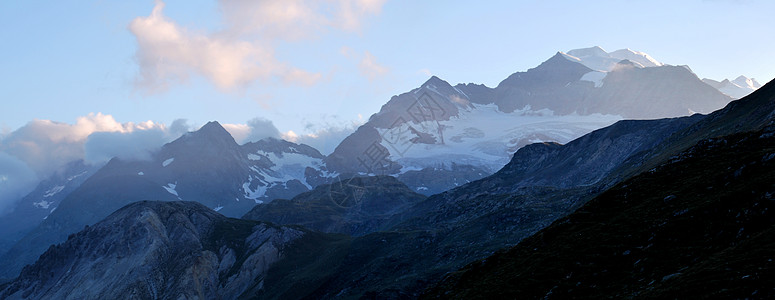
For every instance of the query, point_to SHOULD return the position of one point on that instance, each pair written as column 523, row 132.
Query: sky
column 143, row 72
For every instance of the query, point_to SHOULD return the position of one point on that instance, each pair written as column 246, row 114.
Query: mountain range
column 472, row 170
column 613, row 232
column 206, row 166
column 738, row 88
column 418, row 133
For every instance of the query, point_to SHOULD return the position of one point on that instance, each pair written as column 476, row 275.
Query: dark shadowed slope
column 701, row 225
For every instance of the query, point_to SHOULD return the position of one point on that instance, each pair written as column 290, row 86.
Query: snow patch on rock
column 167, row 162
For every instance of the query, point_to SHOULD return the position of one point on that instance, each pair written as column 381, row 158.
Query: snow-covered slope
column 484, row 136
column 602, row 62
column 598, row 59
column 738, row 88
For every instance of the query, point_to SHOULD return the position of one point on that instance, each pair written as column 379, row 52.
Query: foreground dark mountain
column 700, row 226
column 354, row 206
column 160, row 250
column 206, row 166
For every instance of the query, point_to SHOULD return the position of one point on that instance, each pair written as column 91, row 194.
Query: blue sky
column 332, row 63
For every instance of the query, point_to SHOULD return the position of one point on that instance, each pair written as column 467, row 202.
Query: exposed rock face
column 157, row 250
column 354, row 206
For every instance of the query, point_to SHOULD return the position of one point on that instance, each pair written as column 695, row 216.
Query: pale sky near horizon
column 309, row 66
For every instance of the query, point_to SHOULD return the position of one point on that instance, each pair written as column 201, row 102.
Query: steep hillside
column 701, row 225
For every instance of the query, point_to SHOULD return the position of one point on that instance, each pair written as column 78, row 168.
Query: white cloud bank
column 255, row 130
column 243, row 52
column 45, row 146
column 41, row 147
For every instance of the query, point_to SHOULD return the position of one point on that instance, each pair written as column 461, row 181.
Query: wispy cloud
column 325, row 135
column 424, row 72
column 243, row 52
column 367, row 64
column 370, row 68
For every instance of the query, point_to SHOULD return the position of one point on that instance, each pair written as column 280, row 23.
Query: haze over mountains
column 498, row 164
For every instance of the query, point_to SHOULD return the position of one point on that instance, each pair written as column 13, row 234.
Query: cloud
column 45, row 146
column 326, row 140
column 425, row 72
column 239, row 132
column 367, row 63
column 168, row 53
column 261, row 128
column 295, row 19
column 326, row 135
column 16, row 180
column 255, row 130
column 42, row 147
column 242, row 52
column 179, row 127
column 352, row 12
column 264, row 100
column 290, row 136
column 136, row 145
column 370, row 68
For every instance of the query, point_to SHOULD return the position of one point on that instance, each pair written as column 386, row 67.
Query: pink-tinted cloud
column 243, row 52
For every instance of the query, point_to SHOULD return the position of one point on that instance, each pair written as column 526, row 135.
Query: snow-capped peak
column 636, row 56
column 598, row 59
column 746, row 82
column 738, row 88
